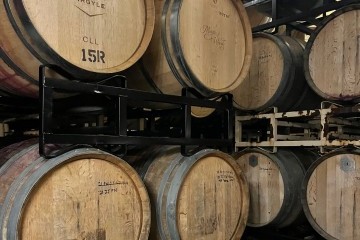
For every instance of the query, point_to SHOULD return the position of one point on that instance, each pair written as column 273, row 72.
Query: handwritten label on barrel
column 108, row 187
column 264, row 57
column 225, row 176
column 210, row 34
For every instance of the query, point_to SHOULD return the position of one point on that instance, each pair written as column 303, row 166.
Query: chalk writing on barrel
column 212, row 35
column 225, row 176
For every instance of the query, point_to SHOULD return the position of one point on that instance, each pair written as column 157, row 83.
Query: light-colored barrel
column 331, row 195
column 204, row 196
column 201, row 44
column 275, row 185
column 88, row 39
column 82, row 194
column 332, row 56
column 276, row 77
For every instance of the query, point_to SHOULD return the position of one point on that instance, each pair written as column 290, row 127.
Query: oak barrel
column 331, row 195
column 204, row 196
column 276, row 77
column 201, row 44
column 275, row 185
column 89, row 39
column 332, row 56
column 82, row 194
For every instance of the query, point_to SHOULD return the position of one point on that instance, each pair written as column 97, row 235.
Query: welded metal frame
column 49, row 85
column 333, row 126
column 302, row 21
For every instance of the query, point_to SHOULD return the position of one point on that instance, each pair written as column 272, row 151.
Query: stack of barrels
column 203, row 44
column 90, row 194
column 290, row 74
column 163, row 46
column 293, row 185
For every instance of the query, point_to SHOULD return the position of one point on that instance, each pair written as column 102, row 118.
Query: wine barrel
column 204, row 196
column 275, row 185
column 201, row 44
column 332, row 56
column 82, row 194
column 276, row 77
column 331, row 195
column 89, row 39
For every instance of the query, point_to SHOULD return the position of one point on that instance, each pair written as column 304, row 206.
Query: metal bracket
column 113, row 134
column 332, row 126
column 302, row 20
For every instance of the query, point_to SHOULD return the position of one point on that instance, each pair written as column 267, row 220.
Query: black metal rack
column 303, row 20
column 128, row 103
